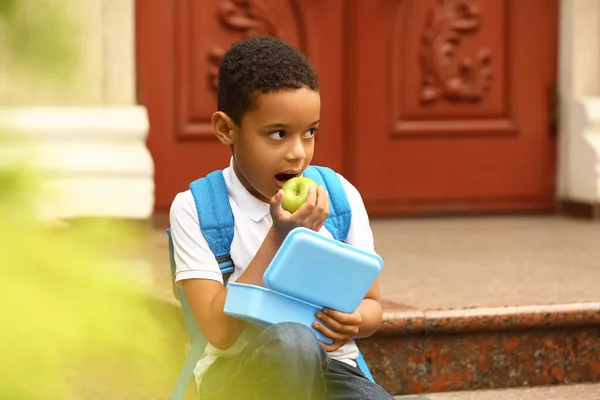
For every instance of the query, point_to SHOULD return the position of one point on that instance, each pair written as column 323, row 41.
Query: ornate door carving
column 454, row 113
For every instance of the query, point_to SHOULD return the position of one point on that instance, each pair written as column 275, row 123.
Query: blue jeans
column 286, row 362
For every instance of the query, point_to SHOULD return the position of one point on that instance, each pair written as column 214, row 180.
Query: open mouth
column 284, row 177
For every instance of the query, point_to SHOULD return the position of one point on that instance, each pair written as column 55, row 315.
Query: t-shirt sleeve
column 193, row 257
column 360, row 234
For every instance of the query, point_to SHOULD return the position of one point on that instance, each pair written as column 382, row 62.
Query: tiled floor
column 461, row 262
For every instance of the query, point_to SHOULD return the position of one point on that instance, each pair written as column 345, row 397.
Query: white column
column 579, row 88
column 93, row 160
column 90, row 138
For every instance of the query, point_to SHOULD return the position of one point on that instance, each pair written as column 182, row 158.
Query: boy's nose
column 296, row 150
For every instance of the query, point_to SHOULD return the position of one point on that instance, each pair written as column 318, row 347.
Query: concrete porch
column 462, row 262
column 492, row 261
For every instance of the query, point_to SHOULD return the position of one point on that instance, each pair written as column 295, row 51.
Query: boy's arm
column 199, row 275
column 207, row 298
column 203, row 285
column 370, row 312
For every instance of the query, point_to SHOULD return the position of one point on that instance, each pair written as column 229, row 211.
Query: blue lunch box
column 309, row 272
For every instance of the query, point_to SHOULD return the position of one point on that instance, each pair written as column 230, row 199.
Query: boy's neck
column 246, row 184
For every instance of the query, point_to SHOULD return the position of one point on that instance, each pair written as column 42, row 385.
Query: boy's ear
column 223, row 127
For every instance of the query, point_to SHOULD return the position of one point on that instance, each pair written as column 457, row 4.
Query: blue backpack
column 217, row 225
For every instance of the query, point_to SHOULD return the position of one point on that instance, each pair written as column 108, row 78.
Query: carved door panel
column 451, row 104
column 179, row 44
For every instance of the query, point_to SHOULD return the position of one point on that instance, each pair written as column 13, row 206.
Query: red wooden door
column 428, row 105
column 450, row 104
column 179, row 44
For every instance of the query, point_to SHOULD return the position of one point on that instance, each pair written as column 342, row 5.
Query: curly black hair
column 260, row 64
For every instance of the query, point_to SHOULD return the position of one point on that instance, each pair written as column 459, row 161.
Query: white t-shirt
column 194, row 259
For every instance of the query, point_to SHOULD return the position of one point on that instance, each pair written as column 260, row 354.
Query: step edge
column 402, row 320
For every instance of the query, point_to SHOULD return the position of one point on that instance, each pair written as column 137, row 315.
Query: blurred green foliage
column 37, row 37
column 72, row 319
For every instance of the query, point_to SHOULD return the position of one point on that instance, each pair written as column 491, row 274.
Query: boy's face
column 275, row 141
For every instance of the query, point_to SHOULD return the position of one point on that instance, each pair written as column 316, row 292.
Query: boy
column 268, row 113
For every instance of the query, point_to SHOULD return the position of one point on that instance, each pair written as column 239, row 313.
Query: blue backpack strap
column 340, row 213
column 215, row 215
column 216, row 221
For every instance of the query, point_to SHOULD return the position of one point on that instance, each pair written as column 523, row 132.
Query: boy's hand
column 312, row 214
column 344, row 327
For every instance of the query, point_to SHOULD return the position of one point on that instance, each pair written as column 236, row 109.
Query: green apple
column 296, row 192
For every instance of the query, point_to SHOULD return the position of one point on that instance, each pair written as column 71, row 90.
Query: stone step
column 561, row 392
column 430, row 351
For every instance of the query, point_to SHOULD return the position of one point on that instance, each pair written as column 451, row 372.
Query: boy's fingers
column 336, row 326
column 312, row 194
column 349, row 329
column 309, row 205
column 326, row 202
column 278, row 198
column 342, row 318
column 277, row 212
column 275, row 203
column 322, row 202
column 322, row 207
column 311, row 199
column 313, row 209
column 328, row 332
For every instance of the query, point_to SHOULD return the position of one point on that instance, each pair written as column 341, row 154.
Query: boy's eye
column 310, row 133
column 277, row 135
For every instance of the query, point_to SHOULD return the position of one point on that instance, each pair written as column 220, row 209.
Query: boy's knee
column 293, row 340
